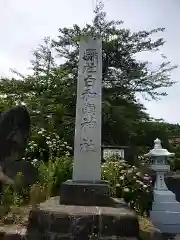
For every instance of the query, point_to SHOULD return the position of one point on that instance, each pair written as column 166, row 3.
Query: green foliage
column 149, row 131
column 125, row 181
column 175, row 161
column 13, row 195
column 50, row 92
column 129, row 183
column 53, row 173
column 45, row 146
column 175, row 164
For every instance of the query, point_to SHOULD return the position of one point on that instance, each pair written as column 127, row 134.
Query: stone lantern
column 165, row 213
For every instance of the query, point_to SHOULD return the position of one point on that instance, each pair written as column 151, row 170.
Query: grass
column 146, row 228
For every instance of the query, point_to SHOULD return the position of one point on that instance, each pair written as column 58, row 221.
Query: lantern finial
column 157, row 144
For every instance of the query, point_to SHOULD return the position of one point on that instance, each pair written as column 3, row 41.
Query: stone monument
column 165, row 213
column 14, row 133
column 87, row 140
column 86, row 211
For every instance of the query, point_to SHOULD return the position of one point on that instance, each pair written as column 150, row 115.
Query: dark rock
column 14, row 133
column 30, row 173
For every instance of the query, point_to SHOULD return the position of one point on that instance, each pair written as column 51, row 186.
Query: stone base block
column 166, row 221
column 85, row 193
column 165, row 217
column 165, row 213
column 169, row 228
column 164, row 196
column 53, row 221
column 164, row 206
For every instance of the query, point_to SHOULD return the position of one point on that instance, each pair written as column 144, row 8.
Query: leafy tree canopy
column 50, row 92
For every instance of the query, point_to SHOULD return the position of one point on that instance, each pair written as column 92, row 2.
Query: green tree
column 123, row 75
column 50, row 92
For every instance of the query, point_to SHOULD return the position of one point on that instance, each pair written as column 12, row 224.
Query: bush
column 44, row 146
column 53, row 173
column 128, row 182
column 175, row 164
column 52, row 157
column 13, row 195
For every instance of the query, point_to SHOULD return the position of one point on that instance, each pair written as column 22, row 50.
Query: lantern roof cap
column 158, row 150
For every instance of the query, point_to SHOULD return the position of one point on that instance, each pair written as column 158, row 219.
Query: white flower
column 70, row 148
column 126, row 189
column 138, row 174
column 137, row 181
column 146, row 178
column 129, row 171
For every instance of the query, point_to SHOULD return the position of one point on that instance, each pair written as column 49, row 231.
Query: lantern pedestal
column 165, row 213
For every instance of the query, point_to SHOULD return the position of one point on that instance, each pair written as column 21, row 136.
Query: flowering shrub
column 45, row 146
column 128, row 182
column 52, row 157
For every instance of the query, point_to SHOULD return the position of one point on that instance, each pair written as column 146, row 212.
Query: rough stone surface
column 12, row 232
column 30, row 173
column 14, row 133
column 85, row 193
column 81, row 222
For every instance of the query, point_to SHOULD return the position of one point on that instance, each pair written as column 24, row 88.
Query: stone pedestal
column 87, row 193
column 85, row 212
column 52, row 221
column 165, row 212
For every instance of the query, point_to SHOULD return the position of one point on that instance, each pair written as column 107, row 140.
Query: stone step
column 165, row 217
column 164, row 196
column 168, row 228
column 17, row 232
column 173, row 206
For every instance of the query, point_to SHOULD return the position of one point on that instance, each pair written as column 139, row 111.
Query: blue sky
column 23, row 24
